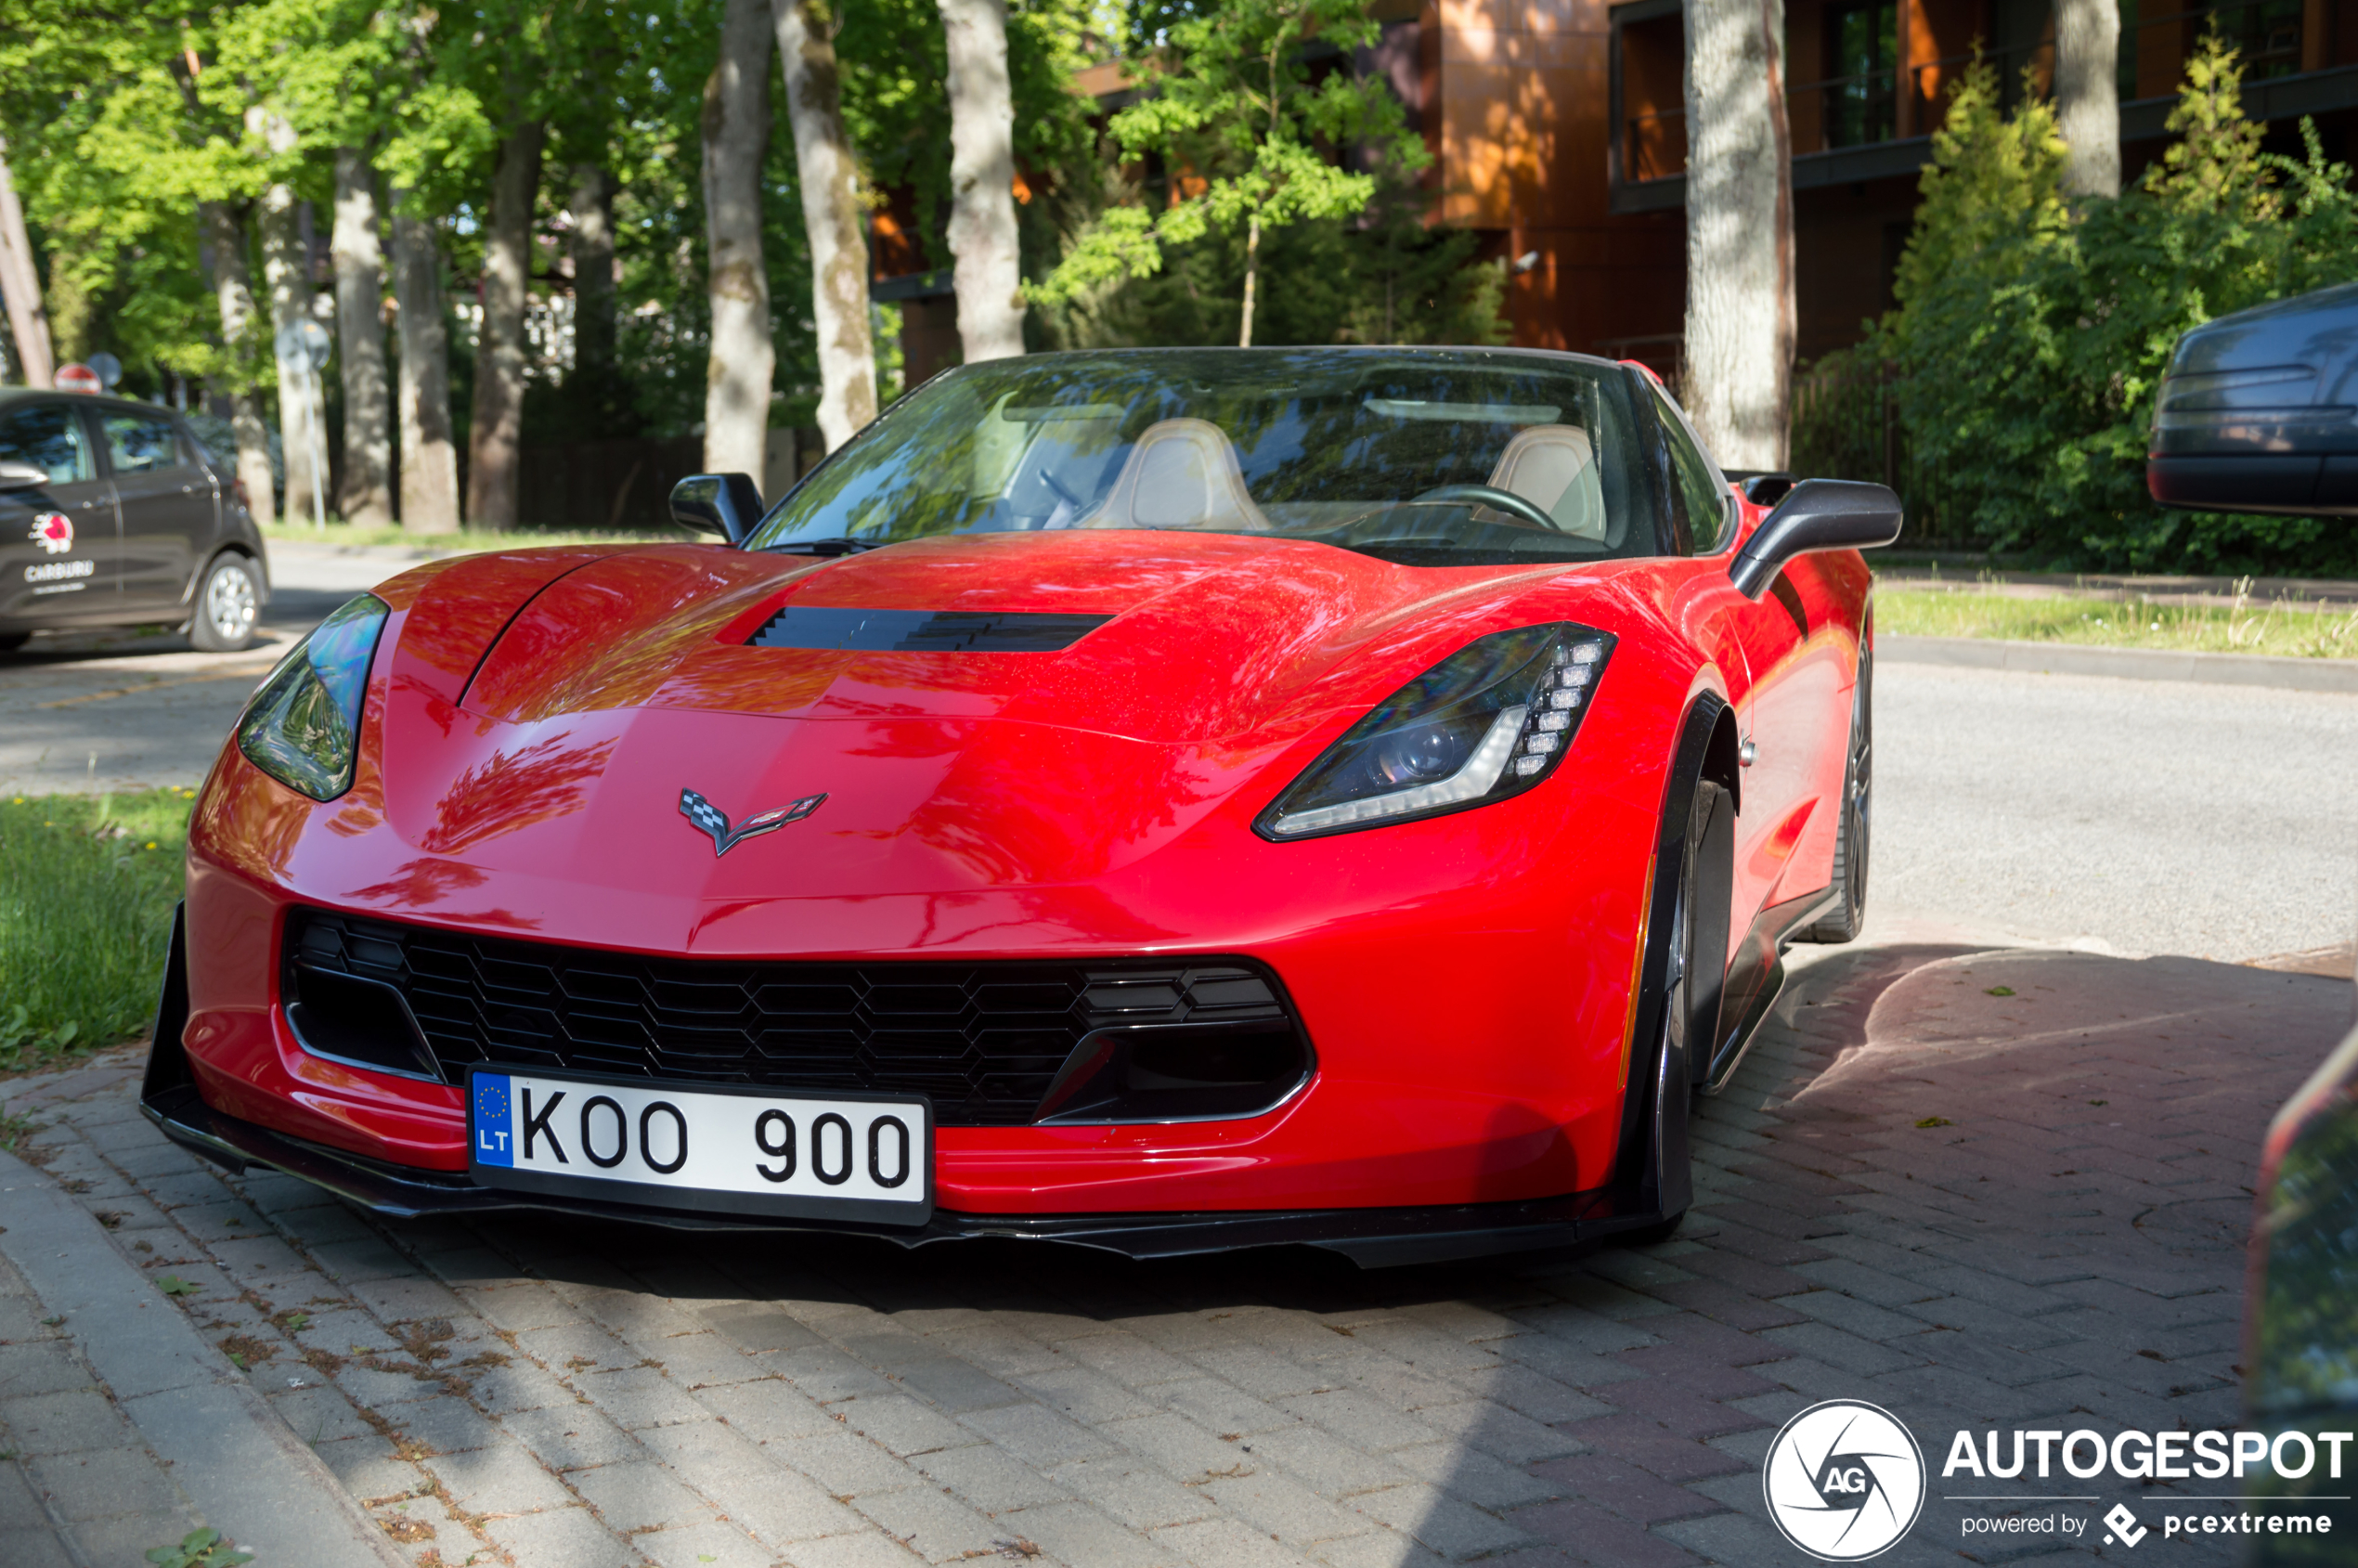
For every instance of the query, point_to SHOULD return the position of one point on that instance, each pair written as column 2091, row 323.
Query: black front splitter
column 1371, row 1238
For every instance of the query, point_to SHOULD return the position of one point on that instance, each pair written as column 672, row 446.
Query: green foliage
column 1245, row 125
column 198, row 1548
column 2032, row 331
column 1384, row 279
column 86, row 889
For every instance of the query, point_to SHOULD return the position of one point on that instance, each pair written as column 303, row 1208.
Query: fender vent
column 924, row 631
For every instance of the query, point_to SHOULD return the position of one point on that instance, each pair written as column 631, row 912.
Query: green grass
column 86, row 889
column 467, row 541
column 2268, row 627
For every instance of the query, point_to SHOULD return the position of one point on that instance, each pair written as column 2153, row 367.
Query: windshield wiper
column 843, row 546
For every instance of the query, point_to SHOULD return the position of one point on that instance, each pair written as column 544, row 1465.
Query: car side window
column 1704, row 499
column 50, row 436
column 137, row 443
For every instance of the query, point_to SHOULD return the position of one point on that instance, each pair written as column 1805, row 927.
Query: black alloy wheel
column 1850, row 835
column 1692, row 990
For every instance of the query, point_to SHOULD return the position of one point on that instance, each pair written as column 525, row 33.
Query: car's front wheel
column 227, row 607
column 1697, row 975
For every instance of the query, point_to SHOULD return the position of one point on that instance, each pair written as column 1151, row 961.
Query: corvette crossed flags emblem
column 709, row 818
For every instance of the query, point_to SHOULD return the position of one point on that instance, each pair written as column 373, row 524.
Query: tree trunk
column 2088, row 95
column 989, row 276
column 429, row 458
column 831, row 214
column 1738, row 366
column 493, row 443
column 21, row 283
column 1252, row 275
column 736, row 134
column 365, row 494
column 286, row 272
column 233, row 293
column 591, row 244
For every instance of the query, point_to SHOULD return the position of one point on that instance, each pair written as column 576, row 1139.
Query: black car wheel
column 12, row 641
column 1692, row 991
column 1850, row 834
column 227, row 607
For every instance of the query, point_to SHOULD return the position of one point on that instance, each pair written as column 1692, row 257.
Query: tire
column 1850, row 834
column 12, row 641
column 229, row 604
column 1697, row 972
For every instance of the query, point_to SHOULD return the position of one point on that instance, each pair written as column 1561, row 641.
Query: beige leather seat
column 1182, row 473
column 1554, row 467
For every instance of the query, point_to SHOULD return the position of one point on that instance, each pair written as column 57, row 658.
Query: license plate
column 720, row 1149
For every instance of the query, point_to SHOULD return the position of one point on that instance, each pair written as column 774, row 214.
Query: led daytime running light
column 1504, row 709
column 1470, row 783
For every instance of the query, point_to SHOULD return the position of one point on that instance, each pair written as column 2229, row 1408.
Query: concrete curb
column 248, row 1475
column 2123, row 664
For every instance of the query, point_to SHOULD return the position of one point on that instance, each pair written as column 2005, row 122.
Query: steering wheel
column 1495, row 499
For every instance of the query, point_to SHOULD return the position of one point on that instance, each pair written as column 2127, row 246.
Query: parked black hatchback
column 113, row 513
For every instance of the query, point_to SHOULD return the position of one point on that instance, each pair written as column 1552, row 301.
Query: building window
column 1862, row 58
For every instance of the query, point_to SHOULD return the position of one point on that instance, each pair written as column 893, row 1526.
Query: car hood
column 631, row 681
column 1203, row 636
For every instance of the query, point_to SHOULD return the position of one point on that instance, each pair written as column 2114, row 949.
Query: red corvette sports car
column 1164, row 799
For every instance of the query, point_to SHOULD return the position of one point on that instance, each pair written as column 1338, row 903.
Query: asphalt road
column 2153, row 816
column 2137, row 817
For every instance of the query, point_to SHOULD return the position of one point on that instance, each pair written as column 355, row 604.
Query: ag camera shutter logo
column 1845, row 1481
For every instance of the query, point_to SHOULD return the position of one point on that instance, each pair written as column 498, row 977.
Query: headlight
column 1490, row 721
column 302, row 727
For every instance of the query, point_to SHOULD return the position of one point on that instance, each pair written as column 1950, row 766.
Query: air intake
column 924, row 631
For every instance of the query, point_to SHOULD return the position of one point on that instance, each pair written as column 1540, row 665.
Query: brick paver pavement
column 1977, row 1188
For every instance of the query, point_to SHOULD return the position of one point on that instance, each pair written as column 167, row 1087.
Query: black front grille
column 983, row 1041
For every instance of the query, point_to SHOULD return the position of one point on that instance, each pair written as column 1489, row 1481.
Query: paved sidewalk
column 1974, row 1186
column 78, row 1486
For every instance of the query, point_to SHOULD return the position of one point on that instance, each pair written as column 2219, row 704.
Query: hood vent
column 924, row 631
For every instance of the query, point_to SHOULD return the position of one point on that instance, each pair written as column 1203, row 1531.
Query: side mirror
column 727, row 504
column 21, row 477
column 1818, row 515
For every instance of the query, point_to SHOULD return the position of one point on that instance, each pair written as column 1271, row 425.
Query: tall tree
column 286, row 273
column 736, row 135
column 20, row 284
column 495, row 436
column 429, row 458
column 591, row 244
column 830, row 215
column 2088, row 93
column 989, row 276
column 1737, row 379
column 366, row 494
column 1250, row 115
column 225, row 230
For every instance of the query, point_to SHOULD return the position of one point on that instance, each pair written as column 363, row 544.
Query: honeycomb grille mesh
column 982, row 1040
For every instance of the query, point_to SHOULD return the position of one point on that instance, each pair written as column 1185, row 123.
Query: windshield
column 1435, row 458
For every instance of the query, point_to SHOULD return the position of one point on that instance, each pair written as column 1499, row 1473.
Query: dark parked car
column 2256, row 415
column 113, row 513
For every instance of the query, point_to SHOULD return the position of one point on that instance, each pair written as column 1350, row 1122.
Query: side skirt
column 1756, row 975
